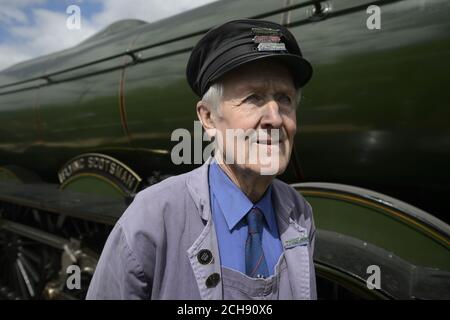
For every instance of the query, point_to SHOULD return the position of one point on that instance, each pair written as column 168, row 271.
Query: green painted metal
column 381, row 229
column 359, row 228
column 372, row 116
column 16, row 174
column 7, row 175
column 384, row 222
column 373, row 98
column 93, row 185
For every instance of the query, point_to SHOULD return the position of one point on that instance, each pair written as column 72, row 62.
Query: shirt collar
column 234, row 203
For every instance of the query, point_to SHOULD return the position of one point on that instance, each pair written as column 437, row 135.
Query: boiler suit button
column 205, row 256
column 212, row 280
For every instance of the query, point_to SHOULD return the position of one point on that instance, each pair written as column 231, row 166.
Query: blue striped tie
column 255, row 262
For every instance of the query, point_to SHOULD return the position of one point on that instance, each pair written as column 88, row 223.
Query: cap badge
column 266, row 32
column 268, row 39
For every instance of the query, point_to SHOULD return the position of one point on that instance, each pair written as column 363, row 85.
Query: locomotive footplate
column 49, row 198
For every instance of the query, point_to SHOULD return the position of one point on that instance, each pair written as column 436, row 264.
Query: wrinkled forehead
column 259, row 76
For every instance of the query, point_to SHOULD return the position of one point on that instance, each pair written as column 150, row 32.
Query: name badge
column 300, row 241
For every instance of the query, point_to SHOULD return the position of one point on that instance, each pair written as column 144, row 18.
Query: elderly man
column 229, row 229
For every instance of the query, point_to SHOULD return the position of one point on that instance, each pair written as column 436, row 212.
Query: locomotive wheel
column 31, row 269
column 25, row 265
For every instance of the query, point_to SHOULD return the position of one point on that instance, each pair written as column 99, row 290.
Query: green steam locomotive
column 84, row 129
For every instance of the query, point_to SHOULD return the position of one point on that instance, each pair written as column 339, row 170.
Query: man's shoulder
column 286, row 189
column 156, row 202
column 289, row 192
column 166, row 188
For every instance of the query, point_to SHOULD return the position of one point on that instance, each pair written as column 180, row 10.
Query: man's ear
column 205, row 115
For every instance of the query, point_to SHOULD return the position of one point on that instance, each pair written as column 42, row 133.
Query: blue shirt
column 229, row 206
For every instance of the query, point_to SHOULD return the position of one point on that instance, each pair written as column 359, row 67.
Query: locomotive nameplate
column 105, row 166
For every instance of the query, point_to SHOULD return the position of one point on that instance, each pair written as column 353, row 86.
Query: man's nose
column 271, row 116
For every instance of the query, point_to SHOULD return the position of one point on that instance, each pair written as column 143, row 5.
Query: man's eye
column 284, row 99
column 254, row 98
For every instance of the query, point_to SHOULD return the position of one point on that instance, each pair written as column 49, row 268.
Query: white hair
column 213, row 97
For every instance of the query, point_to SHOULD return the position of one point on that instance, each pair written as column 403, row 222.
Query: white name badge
column 300, row 241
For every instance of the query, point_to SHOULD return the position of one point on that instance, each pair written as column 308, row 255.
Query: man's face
column 260, row 99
